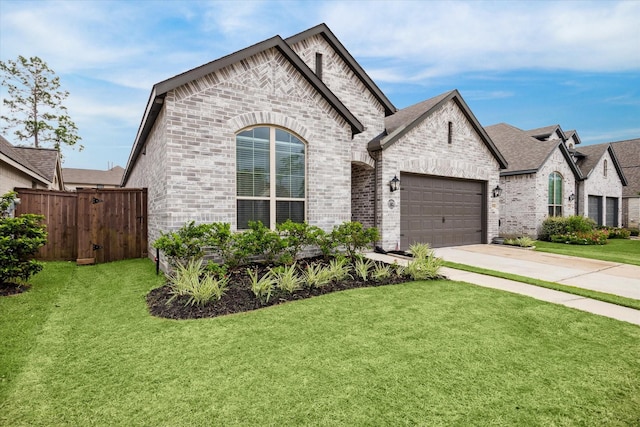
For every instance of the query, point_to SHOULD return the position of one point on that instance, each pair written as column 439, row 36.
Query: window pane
column 551, row 181
column 261, row 133
column 252, row 162
column 297, row 187
column 283, row 186
column 558, row 189
column 252, row 210
column 289, row 210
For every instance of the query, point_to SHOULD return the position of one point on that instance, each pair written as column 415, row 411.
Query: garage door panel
column 426, row 200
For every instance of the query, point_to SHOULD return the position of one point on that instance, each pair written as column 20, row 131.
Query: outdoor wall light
column 572, row 197
column 497, row 191
column 394, row 184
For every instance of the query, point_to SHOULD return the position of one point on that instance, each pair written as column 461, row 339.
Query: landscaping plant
column 316, row 275
column 339, row 269
column 262, row 287
column 425, row 265
column 353, row 237
column 184, row 244
column 381, row 272
column 20, row 239
column 362, row 267
column 287, row 278
column 191, row 280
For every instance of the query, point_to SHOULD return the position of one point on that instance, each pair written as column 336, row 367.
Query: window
column 319, row 65
column 555, row 194
column 270, row 177
column 605, row 168
column 450, row 133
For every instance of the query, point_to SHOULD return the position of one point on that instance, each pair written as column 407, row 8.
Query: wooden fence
column 92, row 225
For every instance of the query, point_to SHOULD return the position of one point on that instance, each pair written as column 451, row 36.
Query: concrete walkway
column 597, row 275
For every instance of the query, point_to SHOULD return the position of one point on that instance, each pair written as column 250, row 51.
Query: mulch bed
column 8, row 288
column 239, row 297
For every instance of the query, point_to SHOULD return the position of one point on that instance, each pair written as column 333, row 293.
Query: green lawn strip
column 429, row 353
column 600, row 296
column 23, row 316
column 616, row 250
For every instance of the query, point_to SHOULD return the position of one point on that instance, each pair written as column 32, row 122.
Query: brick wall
column 600, row 185
column 362, row 194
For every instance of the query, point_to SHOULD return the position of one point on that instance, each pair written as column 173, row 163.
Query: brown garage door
column 441, row 211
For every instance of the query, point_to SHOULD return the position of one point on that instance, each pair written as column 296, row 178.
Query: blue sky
column 529, row 64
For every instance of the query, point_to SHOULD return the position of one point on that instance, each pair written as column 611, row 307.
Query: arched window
column 270, row 177
column 605, row 167
column 555, row 194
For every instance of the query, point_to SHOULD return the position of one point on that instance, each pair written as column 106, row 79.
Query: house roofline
column 384, row 142
column 159, row 90
column 25, row 169
column 520, row 172
column 577, row 173
column 617, row 165
column 338, row 47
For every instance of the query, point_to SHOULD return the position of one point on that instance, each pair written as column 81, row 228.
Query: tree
column 34, row 103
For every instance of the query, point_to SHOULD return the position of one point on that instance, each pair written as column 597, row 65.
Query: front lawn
column 616, row 250
column 83, row 350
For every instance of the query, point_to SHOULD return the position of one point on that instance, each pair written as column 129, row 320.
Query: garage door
column 441, row 211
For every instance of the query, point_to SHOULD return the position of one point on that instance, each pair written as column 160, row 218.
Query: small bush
column 286, row 278
column 295, row 236
column 192, row 281
column 420, row 250
column 339, row 269
column 381, row 272
column 634, row 232
column 263, row 242
column 595, row 237
column 523, row 242
column 261, row 287
column 557, row 225
column 425, row 264
column 362, row 267
column 316, row 275
column 20, row 239
column 353, row 237
column 617, row 233
column 184, row 244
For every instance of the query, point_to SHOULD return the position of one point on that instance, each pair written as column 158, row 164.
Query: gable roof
column 545, row 132
column 628, row 155
column 112, row 176
column 573, row 134
column 338, row 47
column 408, row 118
column 159, row 90
column 525, row 153
column 590, row 155
column 39, row 163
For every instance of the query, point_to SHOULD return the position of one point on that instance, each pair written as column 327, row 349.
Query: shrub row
column 281, row 246
column 20, row 239
column 579, row 230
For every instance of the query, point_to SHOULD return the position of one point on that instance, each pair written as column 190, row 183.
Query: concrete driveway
column 603, row 276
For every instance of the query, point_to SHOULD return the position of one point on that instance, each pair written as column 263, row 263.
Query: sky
column 529, row 64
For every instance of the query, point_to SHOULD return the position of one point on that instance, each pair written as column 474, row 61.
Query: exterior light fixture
column 497, row 191
column 394, row 184
column 572, row 197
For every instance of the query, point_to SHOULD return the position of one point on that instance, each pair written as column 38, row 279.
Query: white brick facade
column 597, row 184
column 524, row 204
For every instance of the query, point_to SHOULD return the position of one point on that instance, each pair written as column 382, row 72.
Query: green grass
column 616, row 250
column 600, row 296
column 426, row 353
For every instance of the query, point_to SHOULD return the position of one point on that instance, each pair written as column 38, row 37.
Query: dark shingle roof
column 408, row 115
column 112, row 176
column 628, row 154
column 525, row 153
column 40, row 161
column 589, row 156
column 545, row 132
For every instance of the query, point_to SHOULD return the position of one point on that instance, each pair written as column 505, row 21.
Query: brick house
column 295, row 129
column 27, row 167
column 549, row 176
column 628, row 154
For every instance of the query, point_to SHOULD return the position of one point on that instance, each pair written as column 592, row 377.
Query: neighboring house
column 295, row 129
column 628, row 154
column 92, row 178
column 540, row 180
column 26, row 167
column 549, row 176
column 600, row 192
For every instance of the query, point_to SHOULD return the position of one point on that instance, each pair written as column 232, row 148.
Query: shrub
column 634, row 231
column 316, row 275
column 261, row 241
column 595, row 237
column 324, row 241
column 220, row 240
column 425, row 264
column 295, row 235
column 261, row 287
column 523, row 242
column 362, row 267
column 381, row 271
column 216, row 270
column 20, row 239
column 557, row 225
column 191, row 280
column 286, row 278
column 339, row 269
column 617, row 233
column 352, row 236
column 184, row 244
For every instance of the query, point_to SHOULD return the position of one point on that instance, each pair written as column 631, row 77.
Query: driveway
column 603, row 276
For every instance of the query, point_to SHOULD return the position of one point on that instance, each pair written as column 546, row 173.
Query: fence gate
column 93, row 226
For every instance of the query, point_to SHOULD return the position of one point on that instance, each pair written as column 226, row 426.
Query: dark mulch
column 8, row 288
column 239, row 297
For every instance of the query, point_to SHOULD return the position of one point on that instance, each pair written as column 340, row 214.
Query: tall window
column 270, row 177
column 555, row 194
column 605, row 167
